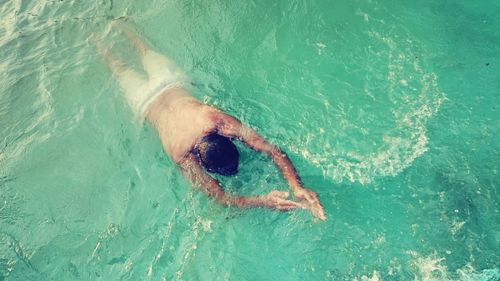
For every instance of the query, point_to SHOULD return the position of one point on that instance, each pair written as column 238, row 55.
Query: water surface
column 389, row 111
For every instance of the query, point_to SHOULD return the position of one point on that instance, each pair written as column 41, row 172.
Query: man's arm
column 232, row 127
column 192, row 169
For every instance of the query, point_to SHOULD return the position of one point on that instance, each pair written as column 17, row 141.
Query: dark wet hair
column 218, row 154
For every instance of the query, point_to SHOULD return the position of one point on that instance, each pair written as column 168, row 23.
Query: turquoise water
column 389, row 110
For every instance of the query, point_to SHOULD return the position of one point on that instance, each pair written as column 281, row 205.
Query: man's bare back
column 185, row 126
column 181, row 121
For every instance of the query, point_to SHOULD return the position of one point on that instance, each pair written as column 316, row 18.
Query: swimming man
column 198, row 137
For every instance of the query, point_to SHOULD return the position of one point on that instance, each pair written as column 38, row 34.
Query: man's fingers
column 318, row 212
column 287, row 205
column 308, row 201
column 307, row 195
column 280, row 194
column 288, row 202
column 314, row 207
column 285, row 208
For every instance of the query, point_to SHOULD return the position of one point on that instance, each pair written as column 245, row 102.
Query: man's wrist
column 296, row 187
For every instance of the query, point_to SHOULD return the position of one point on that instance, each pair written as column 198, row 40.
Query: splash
column 413, row 95
column 375, row 277
column 429, row 268
column 432, row 268
column 468, row 273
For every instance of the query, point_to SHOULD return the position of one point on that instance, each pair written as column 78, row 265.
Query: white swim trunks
column 140, row 91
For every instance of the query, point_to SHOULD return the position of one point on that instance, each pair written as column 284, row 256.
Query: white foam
column 456, row 226
column 375, row 277
column 469, row 273
column 365, row 16
column 433, row 268
column 430, row 268
column 320, row 46
column 413, row 104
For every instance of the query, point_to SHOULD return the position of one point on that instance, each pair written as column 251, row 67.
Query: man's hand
column 309, row 200
column 278, row 200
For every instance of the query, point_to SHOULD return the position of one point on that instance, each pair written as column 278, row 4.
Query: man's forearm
column 273, row 200
column 286, row 168
column 240, row 201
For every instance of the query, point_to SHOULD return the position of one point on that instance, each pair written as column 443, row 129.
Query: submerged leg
column 140, row 46
column 131, row 83
column 128, row 79
column 153, row 63
column 116, row 66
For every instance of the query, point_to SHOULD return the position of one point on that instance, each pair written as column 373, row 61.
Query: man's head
column 218, row 155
